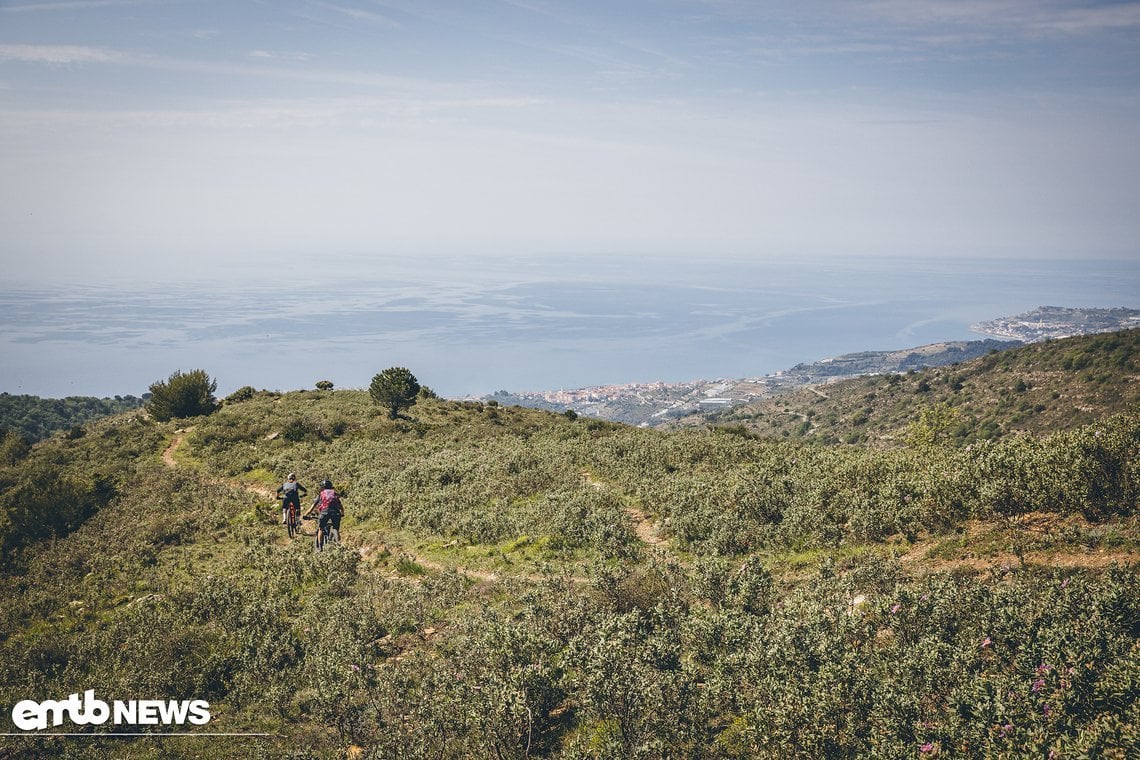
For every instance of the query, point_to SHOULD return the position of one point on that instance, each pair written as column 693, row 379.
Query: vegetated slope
column 37, row 418
column 1056, row 384
column 884, row 362
column 496, row 594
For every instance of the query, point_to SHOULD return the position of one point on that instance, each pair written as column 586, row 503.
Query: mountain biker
column 328, row 508
column 290, row 492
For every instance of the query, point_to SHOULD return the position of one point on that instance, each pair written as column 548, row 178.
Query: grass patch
column 406, row 566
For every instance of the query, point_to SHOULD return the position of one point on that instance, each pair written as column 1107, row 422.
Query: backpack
column 330, row 502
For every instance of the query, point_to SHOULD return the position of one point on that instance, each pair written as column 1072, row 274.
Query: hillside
column 517, row 583
column 1053, row 385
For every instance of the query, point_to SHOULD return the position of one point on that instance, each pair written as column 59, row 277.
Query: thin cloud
column 359, row 14
column 1031, row 17
column 259, row 63
column 280, row 56
column 909, row 30
column 70, row 5
column 60, row 54
column 1094, row 20
column 308, row 113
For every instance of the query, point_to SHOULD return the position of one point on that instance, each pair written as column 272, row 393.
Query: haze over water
column 468, row 326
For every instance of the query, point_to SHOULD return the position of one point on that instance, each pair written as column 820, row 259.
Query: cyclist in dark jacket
column 290, row 492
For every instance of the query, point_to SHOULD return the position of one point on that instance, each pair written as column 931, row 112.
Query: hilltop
column 514, row 582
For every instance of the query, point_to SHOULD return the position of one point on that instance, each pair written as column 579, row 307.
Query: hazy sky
column 144, row 134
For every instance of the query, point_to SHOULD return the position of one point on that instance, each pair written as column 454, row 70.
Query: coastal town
column 1052, row 322
column 655, row 404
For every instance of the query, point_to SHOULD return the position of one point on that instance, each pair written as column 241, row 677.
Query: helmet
column 292, row 476
column 326, row 484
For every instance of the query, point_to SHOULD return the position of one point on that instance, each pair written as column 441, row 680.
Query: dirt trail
column 646, row 529
column 487, row 576
column 365, row 551
column 1035, row 524
column 180, row 437
column 168, row 453
column 1097, row 560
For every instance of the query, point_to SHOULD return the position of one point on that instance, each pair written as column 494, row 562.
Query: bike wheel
column 291, row 522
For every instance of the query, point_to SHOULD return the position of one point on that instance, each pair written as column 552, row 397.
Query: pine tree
column 394, row 388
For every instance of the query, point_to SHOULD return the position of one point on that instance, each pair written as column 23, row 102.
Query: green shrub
column 182, row 395
column 45, row 502
column 13, row 447
column 244, row 393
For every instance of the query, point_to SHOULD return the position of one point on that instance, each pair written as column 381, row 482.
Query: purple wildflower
column 895, row 608
column 928, row 747
column 1038, row 685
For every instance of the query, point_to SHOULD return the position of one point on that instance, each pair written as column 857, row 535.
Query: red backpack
column 330, row 501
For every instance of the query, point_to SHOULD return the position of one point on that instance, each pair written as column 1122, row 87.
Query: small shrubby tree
column 244, row 393
column 324, row 385
column 183, row 395
column 934, row 427
column 14, row 446
column 395, row 388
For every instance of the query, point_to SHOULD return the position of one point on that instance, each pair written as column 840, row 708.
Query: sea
column 467, row 326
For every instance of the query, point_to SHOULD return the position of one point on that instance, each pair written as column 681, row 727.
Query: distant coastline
column 1052, row 322
column 658, row 403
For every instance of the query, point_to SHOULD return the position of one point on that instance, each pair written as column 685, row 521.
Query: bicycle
column 326, row 532
column 292, row 523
